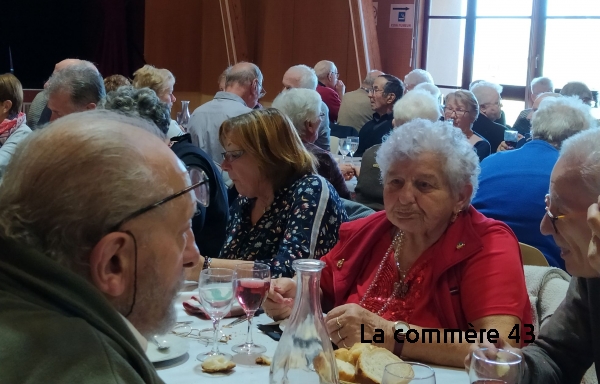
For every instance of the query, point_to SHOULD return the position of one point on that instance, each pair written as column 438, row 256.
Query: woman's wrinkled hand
column 344, row 325
column 280, row 299
column 348, row 171
column 593, row 220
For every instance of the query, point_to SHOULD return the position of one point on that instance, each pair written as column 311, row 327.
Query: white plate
column 178, row 347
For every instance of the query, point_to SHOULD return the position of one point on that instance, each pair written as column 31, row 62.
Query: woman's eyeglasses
column 457, row 112
column 232, row 155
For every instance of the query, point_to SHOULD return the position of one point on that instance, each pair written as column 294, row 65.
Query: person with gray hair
column 142, row 102
column 569, row 343
column 579, row 89
column 355, row 110
column 428, row 247
column 243, row 89
column 539, row 85
column 303, row 107
column 461, row 108
column 413, row 105
column 490, row 104
column 330, row 87
column 38, row 114
column 76, row 88
column 525, row 172
column 303, row 76
column 94, row 239
column 415, row 77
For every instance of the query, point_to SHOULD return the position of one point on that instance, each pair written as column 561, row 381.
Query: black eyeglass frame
column 163, row 201
column 553, row 219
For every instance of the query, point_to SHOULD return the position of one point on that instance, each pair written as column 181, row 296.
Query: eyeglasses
column 374, row 91
column 457, row 112
column 553, row 219
column 262, row 92
column 199, row 188
column 335, row 73
column 232, row 155
column 496, row 104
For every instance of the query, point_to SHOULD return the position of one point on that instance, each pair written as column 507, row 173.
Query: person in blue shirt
column 513, row 184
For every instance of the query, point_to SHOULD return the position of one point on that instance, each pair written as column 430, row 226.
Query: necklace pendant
column 403, row 289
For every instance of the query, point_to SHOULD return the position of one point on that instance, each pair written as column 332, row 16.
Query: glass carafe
column 304, row 353
column 183, row 117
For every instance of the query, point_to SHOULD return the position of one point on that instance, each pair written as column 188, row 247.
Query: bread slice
column 346, row 371
column 357, row 349
column 215, row 364
column 371, row 365
column 344, row 355
column 263, row 360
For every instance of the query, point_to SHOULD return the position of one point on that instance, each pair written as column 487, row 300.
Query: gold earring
column 455, row 216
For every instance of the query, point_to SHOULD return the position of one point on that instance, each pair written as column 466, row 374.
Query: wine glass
column 216, row 294
column 252, row 282
column 353, row 146
column 511, row 138
column 344, row 148
column 405, row 372
column 501, row 367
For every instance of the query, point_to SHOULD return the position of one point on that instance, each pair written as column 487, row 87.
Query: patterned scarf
column 8, row 127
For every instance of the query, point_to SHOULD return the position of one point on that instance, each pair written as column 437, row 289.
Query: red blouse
column 415, row 307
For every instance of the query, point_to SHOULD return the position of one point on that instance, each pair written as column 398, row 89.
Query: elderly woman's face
column 570, row 198
column 417, row 197
column 461, row 114
column 167, row 96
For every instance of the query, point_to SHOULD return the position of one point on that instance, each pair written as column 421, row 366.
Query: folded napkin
column 193, row 308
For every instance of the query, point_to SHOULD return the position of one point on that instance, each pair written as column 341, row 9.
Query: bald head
column 370, row 78
column 300, row 76
column 70, row 62
column 245, row 80
column 67, row 185
column 538, row 100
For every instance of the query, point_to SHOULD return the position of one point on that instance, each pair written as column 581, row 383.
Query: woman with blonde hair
column 285, row 211
column 161, row 81
column 13, row 128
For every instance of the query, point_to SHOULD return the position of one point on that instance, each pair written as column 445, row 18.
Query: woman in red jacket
column 428, row 265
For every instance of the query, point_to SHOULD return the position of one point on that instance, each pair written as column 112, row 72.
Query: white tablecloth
column 187, row 369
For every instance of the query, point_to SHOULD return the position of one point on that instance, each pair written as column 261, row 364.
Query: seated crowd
column 107, row 205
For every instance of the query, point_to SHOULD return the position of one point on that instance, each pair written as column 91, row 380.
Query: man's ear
column 90, row 106
column 391, row 97
column 112, row 263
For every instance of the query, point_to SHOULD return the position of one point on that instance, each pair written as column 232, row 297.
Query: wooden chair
column 533, row 256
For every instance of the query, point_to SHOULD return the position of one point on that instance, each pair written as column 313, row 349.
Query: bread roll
column 371, row 365
column 215, row 364
column 346, row 370
column 344, row 355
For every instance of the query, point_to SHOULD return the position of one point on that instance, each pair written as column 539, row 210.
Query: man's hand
column 343, row 324
column 492, row 351
column 503, row 147
column 340, row 88
column 280, row 300
column 349, row 171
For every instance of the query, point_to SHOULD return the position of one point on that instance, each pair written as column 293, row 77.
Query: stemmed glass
column 216, row 295
column 501, row 367
column 344, row 148
column 252, row 282
column 353, row 140
column 404, row 372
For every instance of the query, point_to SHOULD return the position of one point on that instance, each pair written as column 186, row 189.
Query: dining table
column 178, row 364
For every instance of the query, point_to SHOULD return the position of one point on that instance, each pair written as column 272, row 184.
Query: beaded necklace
column 400, row 287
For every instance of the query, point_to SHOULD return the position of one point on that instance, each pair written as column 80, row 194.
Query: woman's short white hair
column 431, row 88
column 582, row 150
column 558, row 118
column 307, row 78
column 416, row 104
column 300, row 105
column 459, row 161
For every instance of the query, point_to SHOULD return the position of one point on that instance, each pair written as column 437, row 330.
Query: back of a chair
column 334, row 143
column 532, row 256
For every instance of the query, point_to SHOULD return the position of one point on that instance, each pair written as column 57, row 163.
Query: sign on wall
column 402, row 15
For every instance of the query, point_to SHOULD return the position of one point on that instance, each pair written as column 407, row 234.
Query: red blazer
column 477, row 268
column 331, row 98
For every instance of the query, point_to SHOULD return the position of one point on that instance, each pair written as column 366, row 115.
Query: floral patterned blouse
column 302, row 222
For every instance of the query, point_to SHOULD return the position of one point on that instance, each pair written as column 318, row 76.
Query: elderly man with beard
column 95, row 234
